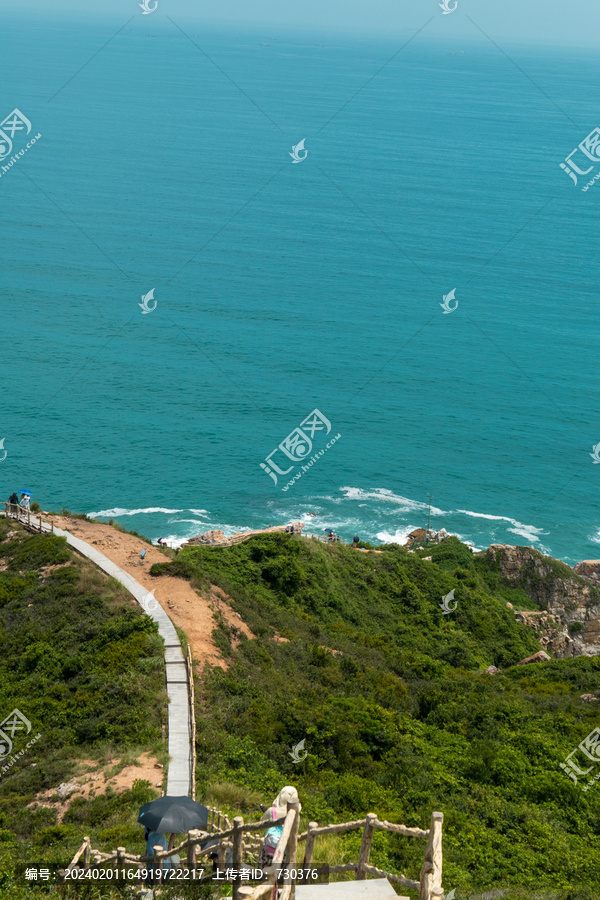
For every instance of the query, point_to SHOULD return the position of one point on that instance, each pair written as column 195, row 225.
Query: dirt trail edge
column 187, row 610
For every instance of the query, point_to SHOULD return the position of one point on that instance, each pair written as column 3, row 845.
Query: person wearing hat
column 278, row 810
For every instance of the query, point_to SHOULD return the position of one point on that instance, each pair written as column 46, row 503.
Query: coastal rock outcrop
column 540, row 656
column 216, row 537
column 567, row 618
column 590, row 569
column 420, row 536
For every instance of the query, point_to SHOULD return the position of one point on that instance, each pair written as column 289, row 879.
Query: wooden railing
column 236, row 837
column 245, row 844
column 217, row 820
column 430, row 880
column 192, row 717
column 23, row 514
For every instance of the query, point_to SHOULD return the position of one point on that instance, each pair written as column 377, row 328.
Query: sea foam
column 120, row 511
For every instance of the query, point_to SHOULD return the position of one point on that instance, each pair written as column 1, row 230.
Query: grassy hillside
column 353, row 654
column 85, row 666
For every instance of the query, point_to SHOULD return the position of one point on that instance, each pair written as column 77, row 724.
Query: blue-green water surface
column 164, row 163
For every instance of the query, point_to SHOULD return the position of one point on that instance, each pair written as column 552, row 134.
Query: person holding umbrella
column 176, row 815
column 154, row 839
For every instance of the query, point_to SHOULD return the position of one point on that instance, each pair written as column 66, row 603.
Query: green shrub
column 84, row 665
column 396, row 714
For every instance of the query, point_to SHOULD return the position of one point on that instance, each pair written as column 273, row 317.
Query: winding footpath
column 179, row 776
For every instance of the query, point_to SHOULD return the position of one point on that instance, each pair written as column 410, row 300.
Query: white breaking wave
column 399, row 537
column 530, row 532
column 173, row 541
column 191, row 521
column 119, row 511
column 383, row 503
column 389, row 496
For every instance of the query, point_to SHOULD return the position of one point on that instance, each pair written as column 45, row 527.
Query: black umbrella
column 174, row 815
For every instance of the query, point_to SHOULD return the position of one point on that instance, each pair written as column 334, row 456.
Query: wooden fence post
column 431, row 871
column 293, row 842
column 221, row 853
column 190, row 674
column 156, row 863
column 192, row 848
column 238, row 849
column 310, row 844
column 365, row 846
column 87, row 852
column 120, row 857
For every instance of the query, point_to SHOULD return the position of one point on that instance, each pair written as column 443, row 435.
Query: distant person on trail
column 14, row 503
column 142, row 554
column 25, row 500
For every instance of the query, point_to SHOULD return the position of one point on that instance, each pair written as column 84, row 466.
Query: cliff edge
column 566, row 616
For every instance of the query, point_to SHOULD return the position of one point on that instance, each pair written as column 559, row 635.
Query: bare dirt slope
column 95, row 777
column 187, row 609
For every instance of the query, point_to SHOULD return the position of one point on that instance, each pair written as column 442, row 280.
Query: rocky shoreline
column 566, row 601
column 216, row 537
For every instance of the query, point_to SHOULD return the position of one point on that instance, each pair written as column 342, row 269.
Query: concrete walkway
column 180, row 767
column 369, row 889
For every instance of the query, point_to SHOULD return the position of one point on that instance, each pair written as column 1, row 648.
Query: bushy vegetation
column 353, row 654
column 85, row 666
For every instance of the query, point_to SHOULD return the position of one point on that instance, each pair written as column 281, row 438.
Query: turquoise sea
column 282, row 288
